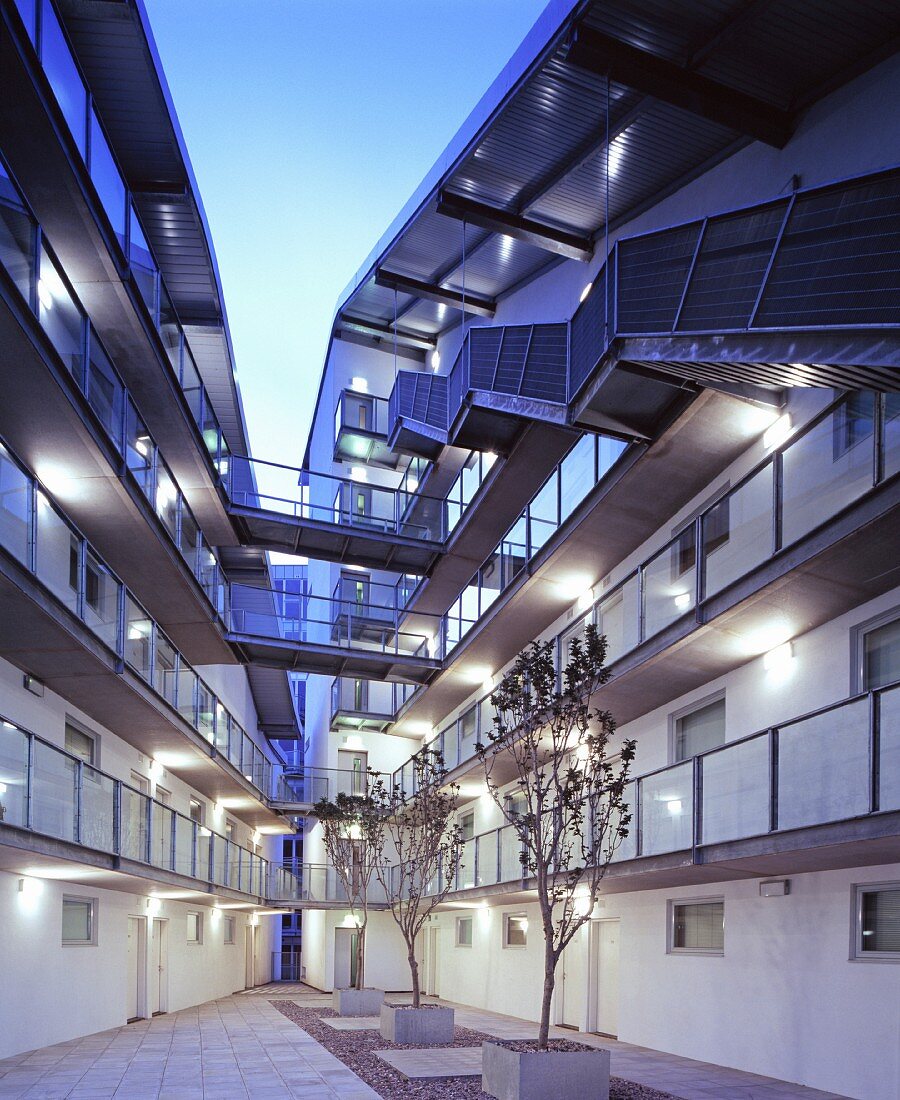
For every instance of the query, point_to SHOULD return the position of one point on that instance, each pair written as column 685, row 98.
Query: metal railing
column 78, row 109
column 307, row 786
column 833, row 764
column 47, row 790
column 301, row 494
column 843, row 453
column 361, row 699
column 314, row 882
column 37, row 535
column 31, row 265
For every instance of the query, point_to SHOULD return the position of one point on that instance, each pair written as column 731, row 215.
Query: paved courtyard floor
column 241, row 1047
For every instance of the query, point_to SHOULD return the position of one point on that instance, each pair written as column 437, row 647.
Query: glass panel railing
column 669, row 583
column 108, row 180
column 134, row 834
column 161, row 851
column 889, row 749
column 736, row 791
column 13, row 775
column 487, row 858
column 823, row 767
column 63, row 74
column 829, row 466
column 737, row 531
column 666, row 808
column 98, row 810
column 465, row 868
column 511, row 867
column 618, row 618
column 53, row 786
column 628, row 846
column 184, row 846
column 15, row 509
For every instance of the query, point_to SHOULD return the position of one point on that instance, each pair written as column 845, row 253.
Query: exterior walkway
column 237, row 1047
column 241, row 1046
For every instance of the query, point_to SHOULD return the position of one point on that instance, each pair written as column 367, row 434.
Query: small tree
column 419, row 850
column 572, row 815
column 352, row 832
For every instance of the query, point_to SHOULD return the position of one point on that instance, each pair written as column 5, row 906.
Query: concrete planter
column 357, row 1002
column 421, row 1027
column 534, row 1075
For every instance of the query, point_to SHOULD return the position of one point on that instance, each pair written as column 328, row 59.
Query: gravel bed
column 355, row 1049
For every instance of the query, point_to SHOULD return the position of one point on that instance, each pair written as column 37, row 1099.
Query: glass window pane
column 107, row 179
column 667, row 807
column 57, row 550
column 829, row 467
column 80, row 744
column 699, row 927
column 138, row 636
column 167, row 497
column 53, row 790
column 669, row 583
column 823, row 767
column 139, row 449
column 15, row 508
column 700, row 730
column 891, row 416
column 101, row 600
column 77, row 920
column 881, row 656
column 13, row 769
column 16, row 236
column 164, row 673
column 143, row 266
column 60, row 317
column 881, row 921
column 27, row 11
column 737, row 532
column 105, row 393
column 618, row 618
column 62, row 72
column 736, row 791
column 576, row 475
column 889, row 750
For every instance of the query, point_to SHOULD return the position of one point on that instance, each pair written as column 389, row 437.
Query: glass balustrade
column 811, row 771
column 39, row 536
column 49, row 791
column 78, row 346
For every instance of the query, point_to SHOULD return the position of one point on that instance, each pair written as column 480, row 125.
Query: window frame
column 675, row 717
column 858, row 647
column 857, row 892
column 674, row 903
column 507, row 919
column 460, row 921
column 464, row 817
column 94, row 738
column 198, row 942
column 93, row 907
column 229, row 930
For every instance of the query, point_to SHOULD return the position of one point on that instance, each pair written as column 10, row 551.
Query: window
column 467, row 825
column 195, row 811
column 463, row 931
column 852, row 423
column 877, row 923
column 195, row 928
column 699, row 730
column 515, row 930
column 697, row 927
column 228, row 929
column 81, row 744
column 879, row 653
column 79, row 922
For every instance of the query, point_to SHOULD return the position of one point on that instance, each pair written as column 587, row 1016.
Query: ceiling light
column 779, row 658
column 435, row 359
column 478, row 674
column 683, row 601
column 361, row 385
column 585, row 292
column 412, row 484
column 358, row 473
column 674, row 806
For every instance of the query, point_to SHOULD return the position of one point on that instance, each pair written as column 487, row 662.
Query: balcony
column 316, row 886
column 417, row 414
column 821, row 508
column 366, row 706
column 335, row 637
column 56, row 806
column 360, row 430
column 297, row 790
column 819, row 791
column 55, row 134
column 300, row 511
column 69, row 621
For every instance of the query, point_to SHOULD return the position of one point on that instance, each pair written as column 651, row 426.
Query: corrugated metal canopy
column 535, row 147
column 115, row 48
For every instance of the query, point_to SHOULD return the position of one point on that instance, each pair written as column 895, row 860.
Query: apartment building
column 139, row 844
column 629, row 356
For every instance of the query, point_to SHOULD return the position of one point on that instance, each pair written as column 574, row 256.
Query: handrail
column 63, row 796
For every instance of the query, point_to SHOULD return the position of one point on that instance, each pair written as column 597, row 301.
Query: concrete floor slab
column 434, row 1063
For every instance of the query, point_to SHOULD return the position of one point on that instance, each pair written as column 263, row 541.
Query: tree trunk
column 360, row 954
column 414, row 971
column 549, row 983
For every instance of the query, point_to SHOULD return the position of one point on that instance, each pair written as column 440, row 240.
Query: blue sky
column 309, row 124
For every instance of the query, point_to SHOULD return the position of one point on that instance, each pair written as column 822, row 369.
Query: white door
column 574, row 981
column 432, row 978
column 608, row 979
column 134, row 968
column 159, row 973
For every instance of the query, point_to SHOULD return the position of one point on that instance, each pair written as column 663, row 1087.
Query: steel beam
column 378, row 331
column 468, row 303
column 605, row 56
column 561, row 243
